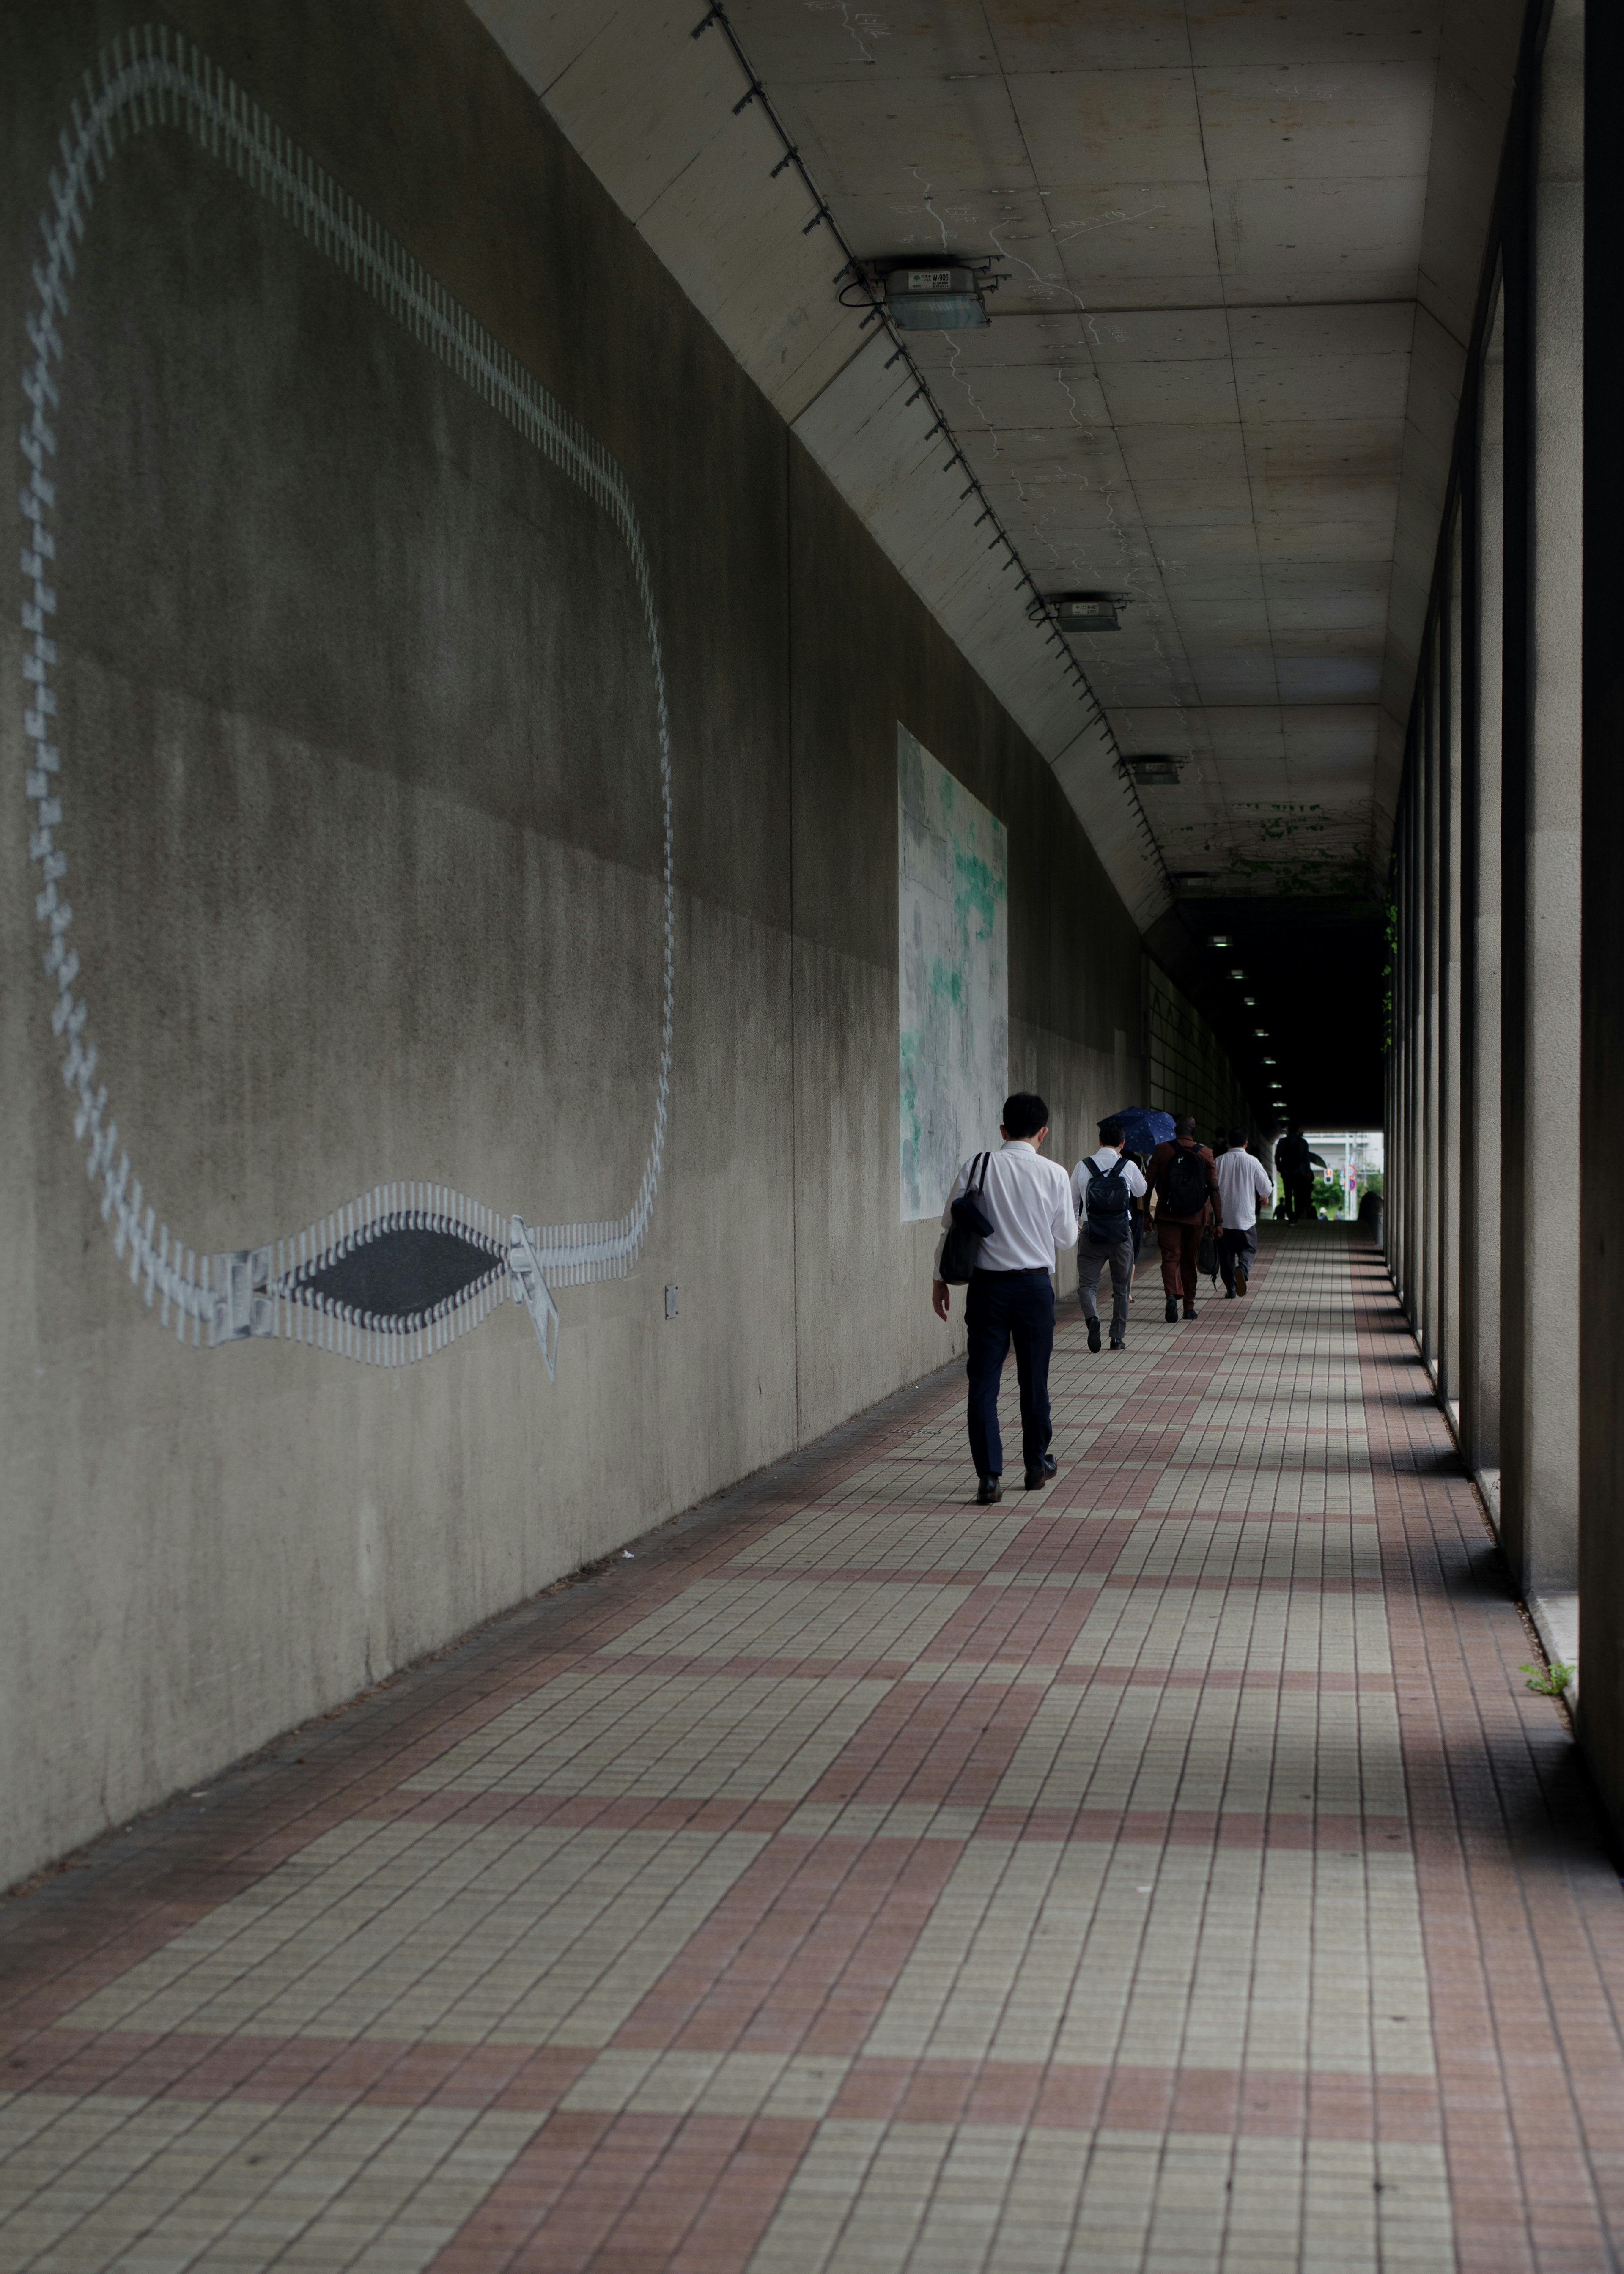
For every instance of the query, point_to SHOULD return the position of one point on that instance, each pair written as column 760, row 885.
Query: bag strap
column 978, row 1184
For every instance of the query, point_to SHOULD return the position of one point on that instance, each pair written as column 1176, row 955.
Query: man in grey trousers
column 1102, row 1187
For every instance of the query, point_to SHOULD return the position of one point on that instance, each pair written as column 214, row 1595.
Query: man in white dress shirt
column 1103, row 1188
column 1242, row 1182
column 1011, row 1292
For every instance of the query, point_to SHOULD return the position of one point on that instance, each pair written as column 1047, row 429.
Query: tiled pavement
column 1167, row 1873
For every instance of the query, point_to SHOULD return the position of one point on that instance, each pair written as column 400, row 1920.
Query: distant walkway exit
column 1169, row 1871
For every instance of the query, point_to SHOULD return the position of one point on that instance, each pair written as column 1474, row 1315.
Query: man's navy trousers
column 1002, row 1307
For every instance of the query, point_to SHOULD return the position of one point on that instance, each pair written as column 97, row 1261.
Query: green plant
column 1548, row 1681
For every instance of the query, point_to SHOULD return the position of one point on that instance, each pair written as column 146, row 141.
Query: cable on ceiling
column 852, row 274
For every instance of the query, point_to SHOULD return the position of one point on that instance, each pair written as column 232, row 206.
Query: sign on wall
column 953, row 903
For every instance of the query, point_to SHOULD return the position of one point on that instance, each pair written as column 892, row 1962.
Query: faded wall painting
column 401, row 1269
column 953, row 904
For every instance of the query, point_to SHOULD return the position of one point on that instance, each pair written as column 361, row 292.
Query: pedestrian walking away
column 1183, row 1184
column 1243, row 1186
column 1295, row 1163
column 1010, row 1292
column 1104, row 1189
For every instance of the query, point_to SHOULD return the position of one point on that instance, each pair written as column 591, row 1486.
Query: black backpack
column 1184, row 1182
column 961, row 1250
column 1105, row 1204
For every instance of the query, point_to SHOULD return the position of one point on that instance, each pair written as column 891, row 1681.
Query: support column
column 1601, row 1410
column 1428, row 1117
column 1404, row 1025
column 1449, row 1162
column 1392, row 1066
column 1482, row 1138
column 1539, row 1486
column 1394, row 1180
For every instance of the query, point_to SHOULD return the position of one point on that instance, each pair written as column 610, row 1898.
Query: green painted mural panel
column 952, row 900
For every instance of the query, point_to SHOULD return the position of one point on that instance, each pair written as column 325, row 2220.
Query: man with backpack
column 1184, row 1182
column 1104, row 1187
column 1006, row 1215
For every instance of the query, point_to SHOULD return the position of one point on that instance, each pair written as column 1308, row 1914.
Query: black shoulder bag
column 961, row 1250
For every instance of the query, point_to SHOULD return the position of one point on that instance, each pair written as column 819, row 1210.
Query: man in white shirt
column 1010, row 1296
column 1242, row 1182
column 1103, row 1188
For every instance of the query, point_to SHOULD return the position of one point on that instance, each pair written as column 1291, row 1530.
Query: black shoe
column 989, row 1489
column 1190, row 1310
column 1172, row 1312
column 1094, row 1334
column 1228, row 1294
column 1117, row 1343
column 1036, row 1479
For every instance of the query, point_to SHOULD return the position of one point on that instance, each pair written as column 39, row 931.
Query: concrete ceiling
column 1242, row 241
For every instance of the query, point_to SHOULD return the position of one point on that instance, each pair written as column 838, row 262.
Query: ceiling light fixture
column 1149, row 772
column 1221, row 940
column 939, row 296
column 1079, row 612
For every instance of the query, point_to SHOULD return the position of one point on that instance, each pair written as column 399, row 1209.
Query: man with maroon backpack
column 1184, row 1182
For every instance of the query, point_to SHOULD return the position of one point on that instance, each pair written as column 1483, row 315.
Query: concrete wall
column 360, row 799
column 1187, row 1069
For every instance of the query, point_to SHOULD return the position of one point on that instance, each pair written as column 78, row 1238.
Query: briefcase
column 961, row 1250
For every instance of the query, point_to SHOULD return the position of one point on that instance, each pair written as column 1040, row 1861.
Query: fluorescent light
column 942, row 298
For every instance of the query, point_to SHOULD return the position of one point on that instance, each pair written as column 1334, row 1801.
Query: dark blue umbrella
column 1144, row 1126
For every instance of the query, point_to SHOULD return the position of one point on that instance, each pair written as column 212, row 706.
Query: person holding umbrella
column 1143, row 1127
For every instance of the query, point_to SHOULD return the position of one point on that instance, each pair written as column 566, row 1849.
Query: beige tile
column 251, row 2184
column 999, row 2200
column 781, row 1617
column 1236, row 1957
column 626, row 1731
column 536, row 1936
